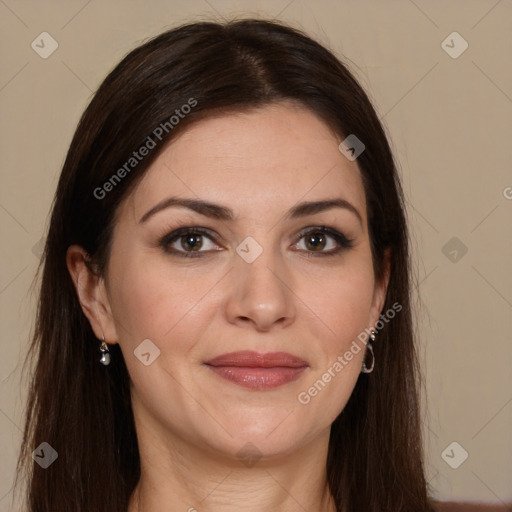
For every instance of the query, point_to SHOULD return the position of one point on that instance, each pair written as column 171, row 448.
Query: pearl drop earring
column 105, row 353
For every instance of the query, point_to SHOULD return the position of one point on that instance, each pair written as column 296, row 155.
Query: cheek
column 344, row 301
column 154, row 300
column 343, row 304
column 136, row 302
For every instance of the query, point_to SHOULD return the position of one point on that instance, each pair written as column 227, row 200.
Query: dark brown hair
column 83, row 409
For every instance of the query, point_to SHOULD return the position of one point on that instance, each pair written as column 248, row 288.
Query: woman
column 224, row 320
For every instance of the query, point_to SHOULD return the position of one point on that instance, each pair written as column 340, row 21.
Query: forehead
column 261, row 161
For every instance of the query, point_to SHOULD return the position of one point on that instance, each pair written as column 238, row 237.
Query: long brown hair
column 83, row 409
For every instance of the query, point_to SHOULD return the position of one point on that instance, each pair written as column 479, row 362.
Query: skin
column 191, row 423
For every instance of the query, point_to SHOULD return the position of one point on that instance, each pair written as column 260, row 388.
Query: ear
column 380, row 289
column 92, row 294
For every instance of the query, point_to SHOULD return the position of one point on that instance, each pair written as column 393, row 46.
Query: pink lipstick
column 258, row 371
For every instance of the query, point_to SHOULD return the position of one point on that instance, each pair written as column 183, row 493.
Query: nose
column 261, row 293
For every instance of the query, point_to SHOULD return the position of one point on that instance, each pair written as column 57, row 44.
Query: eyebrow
column 216, row 211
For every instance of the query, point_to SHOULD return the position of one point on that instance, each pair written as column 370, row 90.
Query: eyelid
column 175, row 234
column 340, row 238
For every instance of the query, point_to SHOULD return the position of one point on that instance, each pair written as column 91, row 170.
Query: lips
column 255, row 360
column 258, row 371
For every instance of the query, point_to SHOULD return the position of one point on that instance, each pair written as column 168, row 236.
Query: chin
column 267, row 438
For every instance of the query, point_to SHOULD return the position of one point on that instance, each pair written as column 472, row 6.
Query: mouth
column 258, row 371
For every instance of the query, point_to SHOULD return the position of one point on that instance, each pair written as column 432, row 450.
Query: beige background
column 450, row 121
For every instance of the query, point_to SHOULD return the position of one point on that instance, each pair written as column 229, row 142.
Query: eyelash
column 340, row 238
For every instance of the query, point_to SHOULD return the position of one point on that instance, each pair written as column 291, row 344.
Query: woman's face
column 260, row 280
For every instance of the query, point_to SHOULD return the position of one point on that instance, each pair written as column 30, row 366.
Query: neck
column 177, row 475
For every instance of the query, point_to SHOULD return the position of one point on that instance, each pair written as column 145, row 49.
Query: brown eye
column 315, row 240
column 193, row 242
column 324, row 241
column 188, row 242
